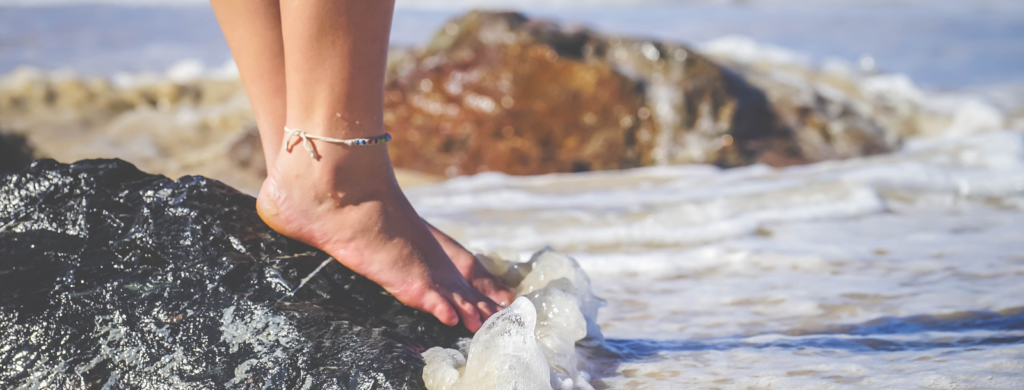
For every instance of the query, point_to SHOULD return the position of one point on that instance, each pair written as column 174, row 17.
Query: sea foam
column 532, row 344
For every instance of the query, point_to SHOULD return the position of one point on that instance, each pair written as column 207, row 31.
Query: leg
column 253, row 31
column 347, row 202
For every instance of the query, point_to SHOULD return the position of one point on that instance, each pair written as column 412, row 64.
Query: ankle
column 342, row 170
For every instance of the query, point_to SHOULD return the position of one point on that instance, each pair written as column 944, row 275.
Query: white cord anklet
column 308, row 145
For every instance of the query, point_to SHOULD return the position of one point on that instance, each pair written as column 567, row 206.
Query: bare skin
column 471, row 269
column 253, row 31
column 345, row 202
column 363, row 222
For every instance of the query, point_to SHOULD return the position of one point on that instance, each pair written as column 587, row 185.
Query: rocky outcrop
column 497, row 91
column 113, row 278
column 704, row 113
column 821, row 124
column 818, row 116
column 174, row 127
column 491, row 93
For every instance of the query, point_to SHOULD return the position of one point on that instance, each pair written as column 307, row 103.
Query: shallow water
column 897, row 271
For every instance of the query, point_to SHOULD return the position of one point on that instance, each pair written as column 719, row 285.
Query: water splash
column 532, row 344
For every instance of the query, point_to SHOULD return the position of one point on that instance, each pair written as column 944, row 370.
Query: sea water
column 892, row 271
column 896, row 271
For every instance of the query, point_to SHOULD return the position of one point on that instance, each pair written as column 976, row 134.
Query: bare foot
column 348, row 204
column 472, row 270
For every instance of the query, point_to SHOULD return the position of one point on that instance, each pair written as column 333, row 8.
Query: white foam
column 533, row 343
column 746, row 50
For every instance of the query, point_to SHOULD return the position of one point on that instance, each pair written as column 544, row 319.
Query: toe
column 487, row 309
column 468, row 312
column 484, row 306
column 495, row 290
column 502, row 297
column 440, row 307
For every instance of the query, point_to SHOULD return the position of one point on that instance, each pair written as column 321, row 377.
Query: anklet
column 308, row 144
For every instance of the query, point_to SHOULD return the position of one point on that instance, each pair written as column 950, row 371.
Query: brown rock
column 822, row 128
column 497, row 91
column 489, row 94
column 705, row 114
column 820, row 119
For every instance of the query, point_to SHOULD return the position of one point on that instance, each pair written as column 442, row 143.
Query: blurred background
column 942, row 44
column 152, row 81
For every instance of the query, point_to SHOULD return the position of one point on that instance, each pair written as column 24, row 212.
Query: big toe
column 468, row 312
column 474, row 308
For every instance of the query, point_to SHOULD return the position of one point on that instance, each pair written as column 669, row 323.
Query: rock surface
column 493, row 93
column 818, row 116
column 113, row 278
column 498, row 91
column 704, row 113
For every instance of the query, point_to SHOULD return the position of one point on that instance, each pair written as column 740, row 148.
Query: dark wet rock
column 113, row 278
column 15, row 152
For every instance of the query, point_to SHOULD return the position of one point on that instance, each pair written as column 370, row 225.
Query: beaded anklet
column 308, row 145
